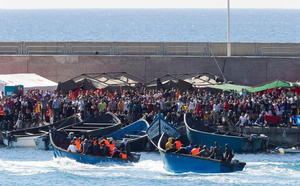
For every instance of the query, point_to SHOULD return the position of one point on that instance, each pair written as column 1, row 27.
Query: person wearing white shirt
column 72, row 148
column 179, row 105
column 216, row 112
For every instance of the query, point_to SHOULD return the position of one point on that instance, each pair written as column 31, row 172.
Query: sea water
column 160, row 25
column 28, row 166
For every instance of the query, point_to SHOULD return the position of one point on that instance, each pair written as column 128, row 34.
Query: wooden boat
column 282, row 150
column 134, row 133
column 60, row 143
column 96, row 127
column 205, row 135
column 26, row 137
column 180, row 163
column 159, row 126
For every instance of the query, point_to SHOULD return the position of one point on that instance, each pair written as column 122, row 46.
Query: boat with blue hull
column 205, row 135
column 135, row 134
column 180, row 163
column 174, row 162
column 60, row 144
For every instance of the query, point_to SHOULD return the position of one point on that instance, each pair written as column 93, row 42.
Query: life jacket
column 81, row 150
column 195, row 151
column 106, row 142
column 77, row 144
column 111, row 147
column 123, row 156
column 177, row 144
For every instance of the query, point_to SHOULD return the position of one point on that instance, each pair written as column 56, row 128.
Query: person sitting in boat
column 111, row 146
column 217, row 152
column 204, row 152
column 80, row 149
column 72, row 147
column 181, row 150
column 123, row 154
column 228, row 153
column 172, row 149
column 106, row 149
column 86, row 145
column 116, row 153
column 195, row 150
column 126, row 146
column 169, row 143
column 177, row 144
column 189, row 148
column 104, row 139
column 77, row 143
column 96, row 148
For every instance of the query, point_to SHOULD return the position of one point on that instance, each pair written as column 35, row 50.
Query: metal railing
column 149, row 48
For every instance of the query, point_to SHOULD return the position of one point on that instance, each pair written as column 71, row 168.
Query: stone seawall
column 241, row 70
column 275, row 134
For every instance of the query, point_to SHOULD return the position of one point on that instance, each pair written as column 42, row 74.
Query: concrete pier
column 275, row 134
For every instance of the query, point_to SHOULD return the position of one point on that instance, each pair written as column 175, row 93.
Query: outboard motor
column 9, row 138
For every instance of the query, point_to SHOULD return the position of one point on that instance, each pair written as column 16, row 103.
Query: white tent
column 29, row 81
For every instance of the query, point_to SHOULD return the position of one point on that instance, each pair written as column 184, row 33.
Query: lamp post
column 228, row 29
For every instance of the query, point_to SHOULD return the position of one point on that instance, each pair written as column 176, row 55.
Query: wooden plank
column 99, row 124
column 84, row 127
column 77, row 130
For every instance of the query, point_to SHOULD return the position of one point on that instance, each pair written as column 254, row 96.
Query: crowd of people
column 219, row 108
column 104, row 147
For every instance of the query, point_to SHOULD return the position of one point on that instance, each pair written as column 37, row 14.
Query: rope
column 216, row 62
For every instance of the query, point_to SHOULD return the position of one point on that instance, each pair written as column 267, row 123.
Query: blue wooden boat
column 134, row 133
column 160, row 126
column 60, row 144
column 180, row 163
column 159, row 132
column 98, row 126
column 205, row 135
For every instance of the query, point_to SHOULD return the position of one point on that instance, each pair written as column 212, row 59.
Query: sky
column 69, row 4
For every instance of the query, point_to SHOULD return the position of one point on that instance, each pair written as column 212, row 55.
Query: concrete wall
column 275, row 134
column 241, row 70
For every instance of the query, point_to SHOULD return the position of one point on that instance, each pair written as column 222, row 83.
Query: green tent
column 228, row 87
column 275, row 84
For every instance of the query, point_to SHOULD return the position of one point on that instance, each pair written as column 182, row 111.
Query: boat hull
column 85, row 158
column 249, row 143
column 238, row 144
column 57, row 141
column 27, row 141
column 135, row 135
column 43, row 144
column 186, row 163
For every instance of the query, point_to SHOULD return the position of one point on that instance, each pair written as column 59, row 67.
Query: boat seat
column 82, row 127
column 31, row 134
column 77, row 130
column 98, row 123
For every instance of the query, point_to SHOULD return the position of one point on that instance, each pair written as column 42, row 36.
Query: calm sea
column 169, row 25
column 25, row 166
